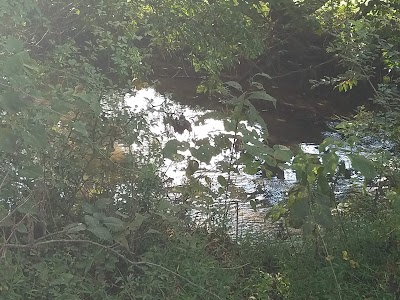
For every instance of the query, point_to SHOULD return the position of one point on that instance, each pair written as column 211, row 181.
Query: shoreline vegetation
column 86, row 213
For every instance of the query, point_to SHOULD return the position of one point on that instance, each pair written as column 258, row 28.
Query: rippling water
column 266, row 191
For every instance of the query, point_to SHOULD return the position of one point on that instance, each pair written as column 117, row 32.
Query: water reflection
column 204, row 124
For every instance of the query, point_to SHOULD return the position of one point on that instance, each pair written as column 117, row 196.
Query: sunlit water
column 265, row 191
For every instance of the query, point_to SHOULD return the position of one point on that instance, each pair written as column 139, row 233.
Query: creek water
column 284, row 128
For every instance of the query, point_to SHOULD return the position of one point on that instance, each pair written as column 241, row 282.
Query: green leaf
column 299, row 210
column 101, row 232
column 262, row 95
column 230, row 125
column 265, row 75
column 96, row 107
column 308, row 228
column 282, row 153
column 171, row 148
column 330, row 162
column 91, row 221
column 137, row 222
column 75, row 227
column 8, row 141
column 235, row 85
column 36, row 137
column 222, row 181
column 122, row 240
column 113, row 224
column 28, row 207
column 251, row 168
column 80, row 127
column 326, row 142
column 31, row 67
column 253, row 204
column 323, row 216
column 21, row 227
column 204, row 153
column 193, row 166
column 31, row 172
column 363, row 165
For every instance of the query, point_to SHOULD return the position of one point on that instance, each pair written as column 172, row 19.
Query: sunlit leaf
column 262, row 95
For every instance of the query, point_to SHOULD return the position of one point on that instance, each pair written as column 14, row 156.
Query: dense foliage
column 85, row 212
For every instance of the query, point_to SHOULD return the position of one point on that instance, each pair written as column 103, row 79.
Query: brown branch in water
column 304, row 69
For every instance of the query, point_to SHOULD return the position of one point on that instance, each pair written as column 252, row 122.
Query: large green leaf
column 262, row 95
column 235, row 85
column 172, row 147
column 113, row 223
column 94, row 226
column 330, row 162
column 101, row 232
column 282, row 153
column 203, row 153
column 363, row 165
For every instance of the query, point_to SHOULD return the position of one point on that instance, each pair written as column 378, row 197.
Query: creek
column 295, row 121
